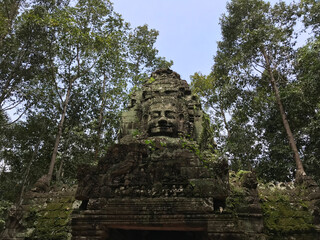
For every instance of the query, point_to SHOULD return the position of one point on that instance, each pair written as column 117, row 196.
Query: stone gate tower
column 163, row 180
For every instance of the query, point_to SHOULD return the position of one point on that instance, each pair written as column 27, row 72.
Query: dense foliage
column 66, row 69
column 263, row 91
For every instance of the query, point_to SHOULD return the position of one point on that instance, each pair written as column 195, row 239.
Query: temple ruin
column 163, row 180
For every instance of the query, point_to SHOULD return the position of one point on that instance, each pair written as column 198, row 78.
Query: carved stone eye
column 155, row 114
column 170, row 115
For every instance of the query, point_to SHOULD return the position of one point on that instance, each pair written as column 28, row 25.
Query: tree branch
column 7, row 124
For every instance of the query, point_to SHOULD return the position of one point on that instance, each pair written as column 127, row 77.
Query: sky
column 188, row 29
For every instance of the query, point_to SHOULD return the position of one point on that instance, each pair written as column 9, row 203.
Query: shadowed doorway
column 120, row 234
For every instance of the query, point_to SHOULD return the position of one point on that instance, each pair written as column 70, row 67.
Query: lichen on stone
column 286, row 209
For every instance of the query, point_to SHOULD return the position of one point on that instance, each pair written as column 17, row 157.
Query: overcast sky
column 188, row 29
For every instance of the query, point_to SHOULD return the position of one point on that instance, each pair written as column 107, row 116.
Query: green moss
column 151, row 80
column 241, row 173
column 233, row 202
column 285, row 208
column 52, row 222
column 236, row 198
column 4, row 208
column 284, row 218
column 210, row 158
column 207, row 130
column 135, row 132
column 151, row 144
column 284, row 211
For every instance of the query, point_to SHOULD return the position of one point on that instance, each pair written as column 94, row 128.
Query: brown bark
column 224, row 119
column 58, row 136
column 60, row 126
column 300, row 170
column 99, row 130
column 59, row 173
column 24, row 183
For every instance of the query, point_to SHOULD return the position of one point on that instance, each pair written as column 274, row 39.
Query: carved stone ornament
column 165, row 107
column 163, row 175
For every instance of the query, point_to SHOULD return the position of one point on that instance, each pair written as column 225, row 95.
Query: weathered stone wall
column 290, row 212
column 153, row 170
column 164, row 180
column 43, row 215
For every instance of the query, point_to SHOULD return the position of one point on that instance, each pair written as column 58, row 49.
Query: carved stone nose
column 162, row 122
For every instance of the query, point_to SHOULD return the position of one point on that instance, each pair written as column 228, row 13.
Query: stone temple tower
column 163, row 179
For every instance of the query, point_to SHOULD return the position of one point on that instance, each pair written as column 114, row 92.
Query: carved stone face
column 164, row 106
column 163, row 120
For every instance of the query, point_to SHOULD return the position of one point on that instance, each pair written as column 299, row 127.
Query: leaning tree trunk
column 26, row 175
column 58, row 136
column 99, row 130
column 300, row 170
column 223, row 116
column 59, row 173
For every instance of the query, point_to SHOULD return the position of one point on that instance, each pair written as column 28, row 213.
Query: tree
column 8, row 13
column 310, row 11
column 80, row 38
column 73, row 64
column 307, row 67
column 143, row 57
column 258, row 43
column 12, row 70
column 27, row 148
column 212, row 96
column 231, row 111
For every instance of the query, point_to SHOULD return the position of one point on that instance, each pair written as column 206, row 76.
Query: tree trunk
column 99, row 130
column 24, row 183
column 223, row 115
column 224, row 119
column 300, row 170
column 59, row 173
column 58, row 136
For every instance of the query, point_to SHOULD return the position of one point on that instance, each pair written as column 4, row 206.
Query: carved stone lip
column 167, row 130
column 162, row 129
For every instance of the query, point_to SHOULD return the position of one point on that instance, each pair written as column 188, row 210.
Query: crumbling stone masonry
column 42, row 215
column 163, row 180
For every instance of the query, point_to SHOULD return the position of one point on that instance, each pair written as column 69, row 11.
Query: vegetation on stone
column 286, row 209
column 67, row 71
column 44, row 215
column 241, row 99
column 95, row 102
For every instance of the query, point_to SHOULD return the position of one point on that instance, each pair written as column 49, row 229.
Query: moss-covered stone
column 45, row 215
column 286, row 209
column 52, row 222
column 243, row 196
column 289, row 211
